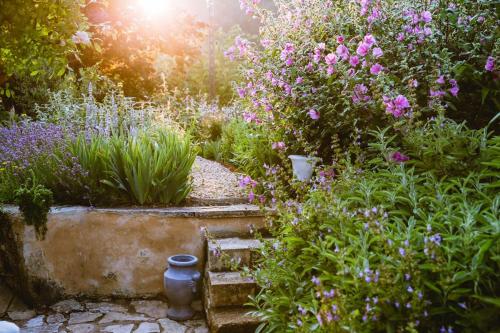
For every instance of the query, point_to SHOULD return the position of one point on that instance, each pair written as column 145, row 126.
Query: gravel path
column 214, row 184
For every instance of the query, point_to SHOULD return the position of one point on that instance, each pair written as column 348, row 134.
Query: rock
column 171, row 326
column 201, row 329
column 82, row 328
column 154, row 309
column 52, row 328
column 148, row 328
column 35, row 322
column 6, row 327
column 57, row 318
column 21, row 315
column 67, row 306
column 83, row 317
column 117, row 316
column 119, row 328
column 104, row 307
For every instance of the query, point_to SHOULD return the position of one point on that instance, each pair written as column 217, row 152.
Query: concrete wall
column 120, row 252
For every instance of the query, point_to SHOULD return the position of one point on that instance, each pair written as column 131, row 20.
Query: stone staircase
column 226, row 289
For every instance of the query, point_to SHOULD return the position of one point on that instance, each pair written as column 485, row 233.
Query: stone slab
column 148, row 328
column 118, row 316
column 229, row 288
column 153, row 309
column 105, row 307
column 231, row 254
column 118, row 328
column 83, row 317
column 231, row 320
column 171, row 326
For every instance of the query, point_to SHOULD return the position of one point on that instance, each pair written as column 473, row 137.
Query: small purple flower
column 399, row 157
column 316, row 281
column 331, row 59
column 490, row 64
column 314, row 114
column 363, row 49
column 354, row 61
column 377, row 52
column 441, row 80
column 376, row 69
column 402, row 252
column 426, row 16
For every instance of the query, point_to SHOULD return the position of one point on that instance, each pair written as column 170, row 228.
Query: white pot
column 303, row 166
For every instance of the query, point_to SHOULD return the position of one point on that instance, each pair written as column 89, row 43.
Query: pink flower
column 251, row 196
column 321, row 46
column 330, row 70
column 343, row 52
column 81, row 37
column 250, row 116
column 241, row 92
column 377, row 52
column 229, row 53
column 278, row 145
column 360, row 94
column 354, row 61
column 396, row 106
column 265, row 43
column 331, row 59
column 369, row 40
column 340, row 39
column 313, row 114
column 289, row 62
column 490, row 64
column 426, row 16
column 401, row 102
column 363, row 49
column 413, row 83
column 400, row 37
column 399, row 157
column 376, row 69
column 299, row 80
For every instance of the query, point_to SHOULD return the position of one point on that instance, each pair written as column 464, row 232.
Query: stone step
column 231, row 254
column 231, row 320
column 228, row 289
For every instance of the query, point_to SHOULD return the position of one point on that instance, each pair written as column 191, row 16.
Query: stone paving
column 111, row 316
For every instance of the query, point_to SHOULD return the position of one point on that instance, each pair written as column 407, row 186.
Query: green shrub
column 398, row 246
column 151, row 167
column 247, row 147
column 34, row 202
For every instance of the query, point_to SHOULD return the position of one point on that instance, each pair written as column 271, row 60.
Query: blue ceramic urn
column 181, row 285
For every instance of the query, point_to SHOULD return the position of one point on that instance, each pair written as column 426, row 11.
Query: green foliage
column 36, row 42
column 248, row 147
column 394, row 247
column 34, row 202
column 151, row 167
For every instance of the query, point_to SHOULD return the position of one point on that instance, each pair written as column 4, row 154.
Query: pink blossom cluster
column 418, row 26
column 396, row 106
column 248, row 6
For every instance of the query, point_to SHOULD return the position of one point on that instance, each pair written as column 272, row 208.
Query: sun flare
column 153, row 8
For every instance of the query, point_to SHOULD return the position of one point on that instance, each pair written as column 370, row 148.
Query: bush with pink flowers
column 328, row 71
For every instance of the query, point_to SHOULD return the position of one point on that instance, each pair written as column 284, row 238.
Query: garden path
column 214, row 184
column 111, row 316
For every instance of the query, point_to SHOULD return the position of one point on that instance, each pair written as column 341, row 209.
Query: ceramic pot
column 181, row 285
column 303, row 166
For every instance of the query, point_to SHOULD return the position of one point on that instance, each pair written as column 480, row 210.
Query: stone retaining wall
column 110, row 252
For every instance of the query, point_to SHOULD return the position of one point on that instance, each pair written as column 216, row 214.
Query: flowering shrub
column 336, row 69
column 391, row 248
